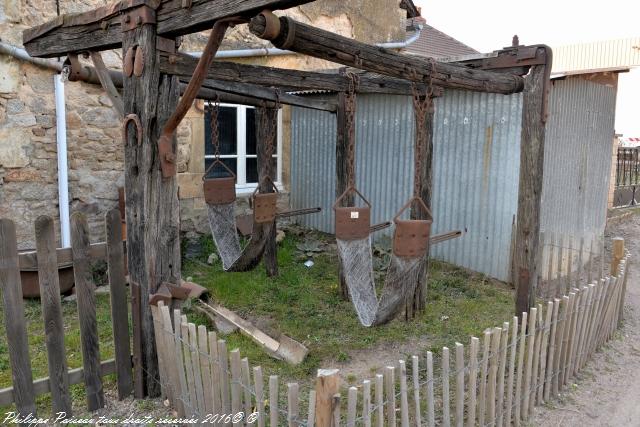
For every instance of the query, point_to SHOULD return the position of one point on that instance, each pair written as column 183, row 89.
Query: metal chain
column 350, row 110
column 269, row 128
column 422, row 106
column 214, row 108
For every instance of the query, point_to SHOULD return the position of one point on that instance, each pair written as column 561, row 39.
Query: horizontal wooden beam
column 183, row 65
column 269, row 94
column 312, row 41
column 43, row 385
column 101, row 29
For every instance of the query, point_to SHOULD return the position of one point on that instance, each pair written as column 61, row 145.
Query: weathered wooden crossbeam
column 101, row 28
column 269, row 94
column 312, row 41
column 290, row 80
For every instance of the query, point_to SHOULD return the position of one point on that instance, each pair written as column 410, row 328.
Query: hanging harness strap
column 222, row 218
column 410, row 243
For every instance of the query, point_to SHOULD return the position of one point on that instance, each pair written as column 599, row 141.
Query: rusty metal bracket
column 165, row 145
column 137, row 17
column 73, row 67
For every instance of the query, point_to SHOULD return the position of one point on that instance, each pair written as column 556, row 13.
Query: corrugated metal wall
column 476, row 158
column 577, row 166
column 476, row 166
column 476, row 169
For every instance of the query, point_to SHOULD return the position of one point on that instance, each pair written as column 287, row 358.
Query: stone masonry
column 28, row 150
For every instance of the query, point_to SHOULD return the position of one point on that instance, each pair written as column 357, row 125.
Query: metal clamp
column 137, row 17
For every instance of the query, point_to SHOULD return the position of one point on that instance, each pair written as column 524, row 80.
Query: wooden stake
column 404, row 398
column 518, row 401
column 617, row 254
column 512, row 367
column 431, row 413
column 52, row 314
column 273, row 401
column 327, row 385
column 459, row 385
column 446, row 413
column 390, row 394
column 473, row 377
column 14, row 320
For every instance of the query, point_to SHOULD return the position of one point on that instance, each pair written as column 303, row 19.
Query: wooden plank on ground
column 52, row 314
column 119, row 304
column 86, row 301
column 14, row 321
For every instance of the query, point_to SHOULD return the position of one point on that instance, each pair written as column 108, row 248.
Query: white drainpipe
column 63, row 170
column 274, row 51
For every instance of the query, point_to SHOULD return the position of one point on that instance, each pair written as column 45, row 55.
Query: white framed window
column 238, row 145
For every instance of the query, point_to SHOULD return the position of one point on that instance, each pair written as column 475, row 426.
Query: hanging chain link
column 269, row 129
column 422, row 106
column 214, row 108
column 350, row 110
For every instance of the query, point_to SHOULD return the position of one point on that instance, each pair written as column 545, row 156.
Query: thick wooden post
column 426, row 178
column 530, row 188
column 152, row 210
column 342, row 170
column 265, row 168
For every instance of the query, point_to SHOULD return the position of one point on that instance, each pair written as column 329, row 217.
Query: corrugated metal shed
column 476, row 153
column 602, row 55
column 476, row 166
column 577, row 166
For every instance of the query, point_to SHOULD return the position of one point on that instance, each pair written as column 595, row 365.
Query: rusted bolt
column 127, row 19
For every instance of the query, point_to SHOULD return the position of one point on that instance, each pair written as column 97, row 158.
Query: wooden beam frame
column 318, row 43
column 182, row 65
column 101, row 28
column 526, row 253
column 269, row 94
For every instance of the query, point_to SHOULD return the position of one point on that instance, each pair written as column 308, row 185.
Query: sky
column 490, row 24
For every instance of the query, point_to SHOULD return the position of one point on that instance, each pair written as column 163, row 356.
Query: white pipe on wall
column 63, row 169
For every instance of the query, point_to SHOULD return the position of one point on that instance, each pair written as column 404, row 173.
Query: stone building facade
column 28, row 149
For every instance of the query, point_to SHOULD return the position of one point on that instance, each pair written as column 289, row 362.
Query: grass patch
column 304, row 303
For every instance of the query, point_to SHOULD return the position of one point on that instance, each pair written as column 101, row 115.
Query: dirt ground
column 607, row 391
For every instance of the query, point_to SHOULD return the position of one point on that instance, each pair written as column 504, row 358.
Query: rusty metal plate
column 264, row 207
column 127, row 62
column 138, row 62
column 219, row 191
column 352, row 223
column 167, row 156
column 411, row 237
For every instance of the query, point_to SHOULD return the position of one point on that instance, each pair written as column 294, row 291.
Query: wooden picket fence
column 566, row 261
column 496, row 381
column 46, row 259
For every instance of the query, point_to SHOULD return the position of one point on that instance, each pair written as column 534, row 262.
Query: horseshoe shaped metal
column 125, row 128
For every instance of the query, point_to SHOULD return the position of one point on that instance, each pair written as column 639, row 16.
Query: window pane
column 219, row 171
column 251, row 131
column 252, row 170
column 227, row 125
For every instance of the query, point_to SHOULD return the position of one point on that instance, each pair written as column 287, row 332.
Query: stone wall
column 28, row 150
